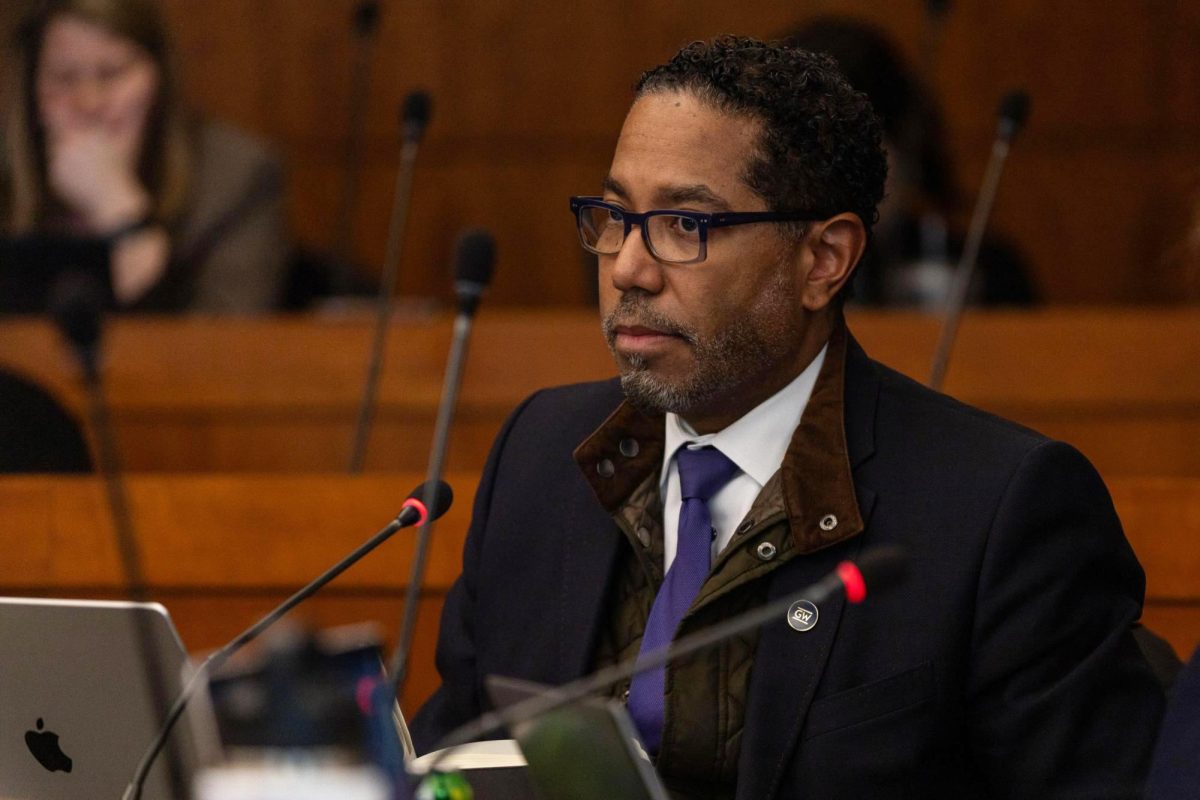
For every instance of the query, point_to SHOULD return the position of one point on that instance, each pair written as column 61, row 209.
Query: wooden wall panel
column 222, row 550
column 282, row 393
column 529, row 96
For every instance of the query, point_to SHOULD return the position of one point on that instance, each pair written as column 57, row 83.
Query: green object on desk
column 445, row 786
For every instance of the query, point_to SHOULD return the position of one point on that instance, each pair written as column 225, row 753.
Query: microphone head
column 436, row 496
column 1014, row 110
column 77, row 305
column 937, row 8
column 414, row 114
column 474, row 259
column 366, row 18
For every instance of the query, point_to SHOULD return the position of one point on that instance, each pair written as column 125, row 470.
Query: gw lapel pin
column 802, row 615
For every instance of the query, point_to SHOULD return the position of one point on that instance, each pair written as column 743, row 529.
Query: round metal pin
column 802, row 615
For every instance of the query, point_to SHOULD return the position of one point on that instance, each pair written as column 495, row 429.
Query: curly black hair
column 822, row 144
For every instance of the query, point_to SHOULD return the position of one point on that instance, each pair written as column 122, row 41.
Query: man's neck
column 756, row 387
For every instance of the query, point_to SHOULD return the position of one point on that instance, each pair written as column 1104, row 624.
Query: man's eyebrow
column 613, row 186
column 698, row 194
column 673, row 196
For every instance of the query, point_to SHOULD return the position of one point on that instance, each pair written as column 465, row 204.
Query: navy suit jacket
column 1002, row 667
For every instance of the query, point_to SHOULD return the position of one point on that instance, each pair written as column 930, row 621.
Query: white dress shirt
column 757, row 443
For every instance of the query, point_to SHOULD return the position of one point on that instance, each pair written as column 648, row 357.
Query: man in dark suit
column 750, row 446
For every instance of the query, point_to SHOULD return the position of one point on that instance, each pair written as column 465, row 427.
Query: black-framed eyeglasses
column 672, row 236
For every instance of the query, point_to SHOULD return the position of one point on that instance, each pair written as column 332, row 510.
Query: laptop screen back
column 75, row 708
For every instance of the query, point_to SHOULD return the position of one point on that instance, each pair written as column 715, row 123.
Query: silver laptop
column 76, row 710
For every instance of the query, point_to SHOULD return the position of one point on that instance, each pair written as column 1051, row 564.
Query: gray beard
column 723, row 362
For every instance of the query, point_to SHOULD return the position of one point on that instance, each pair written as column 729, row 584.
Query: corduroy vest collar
column 818, row 487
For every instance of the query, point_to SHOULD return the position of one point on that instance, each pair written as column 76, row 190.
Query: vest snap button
column 606, row 468
column 828, row 522
column 766, row 551
column 629, row 448
column 745, row 526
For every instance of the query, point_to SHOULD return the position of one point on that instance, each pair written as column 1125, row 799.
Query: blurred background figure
column 917, row 241
column 99, row 145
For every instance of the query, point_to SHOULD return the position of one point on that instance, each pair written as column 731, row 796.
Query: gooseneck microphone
column 936, row 12
column 365, row 25
column 878, row 569
column 475, row 258
column 77, row 306
column 426, row 502
column 414, row 118
column 1014, row 109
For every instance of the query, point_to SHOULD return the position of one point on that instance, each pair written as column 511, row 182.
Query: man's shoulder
column 570, row 412
column 950, row 410
column 926, row 420
column 539, row 439
column 603, row 393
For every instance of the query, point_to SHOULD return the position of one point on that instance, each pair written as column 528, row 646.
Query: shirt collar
column 816, row 476
column 757, row 441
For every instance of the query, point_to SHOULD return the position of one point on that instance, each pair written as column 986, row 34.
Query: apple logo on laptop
column 44, row 746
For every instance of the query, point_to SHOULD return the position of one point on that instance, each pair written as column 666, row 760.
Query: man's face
column 711, row 340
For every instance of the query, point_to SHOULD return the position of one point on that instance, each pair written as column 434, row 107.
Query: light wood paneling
column 222, row 550
column 282, row 394
column 529, row 96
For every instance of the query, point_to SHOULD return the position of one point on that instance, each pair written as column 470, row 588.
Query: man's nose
column 634, row 267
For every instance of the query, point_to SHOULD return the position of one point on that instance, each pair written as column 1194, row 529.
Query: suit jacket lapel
column 861, row 398
column 613, row 461
column 787, row 668
column 789, row 664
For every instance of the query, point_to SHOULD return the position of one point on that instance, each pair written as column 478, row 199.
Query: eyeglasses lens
column 672, row 237
column 602, row 229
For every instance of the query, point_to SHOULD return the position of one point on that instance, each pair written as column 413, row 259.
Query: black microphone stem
column 956, row 298
column 216, row 659
column 131, row 561
column 383, row 308
column 877, row 569
column 398, row 669
column 366, row 26
column 936, row 12
column 556, row 697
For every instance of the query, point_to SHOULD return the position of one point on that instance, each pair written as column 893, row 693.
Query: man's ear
column 834, row 246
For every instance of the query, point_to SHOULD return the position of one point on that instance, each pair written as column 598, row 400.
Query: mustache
column 634, row 309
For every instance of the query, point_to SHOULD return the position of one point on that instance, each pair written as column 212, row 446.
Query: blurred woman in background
column 98, row 145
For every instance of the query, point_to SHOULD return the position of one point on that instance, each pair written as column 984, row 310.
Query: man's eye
column 615, row 217
column 687, row 224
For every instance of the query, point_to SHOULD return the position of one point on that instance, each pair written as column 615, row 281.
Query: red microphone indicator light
column 415, row 512
column 852, row 581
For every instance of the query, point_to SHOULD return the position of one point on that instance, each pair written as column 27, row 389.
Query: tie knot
column 703, row 472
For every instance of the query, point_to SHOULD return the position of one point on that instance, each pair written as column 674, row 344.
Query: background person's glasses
column 676, row 237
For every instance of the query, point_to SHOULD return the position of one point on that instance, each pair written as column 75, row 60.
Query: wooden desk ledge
column 225, row 536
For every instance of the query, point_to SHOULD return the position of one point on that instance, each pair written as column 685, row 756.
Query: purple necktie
column 702, row 473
